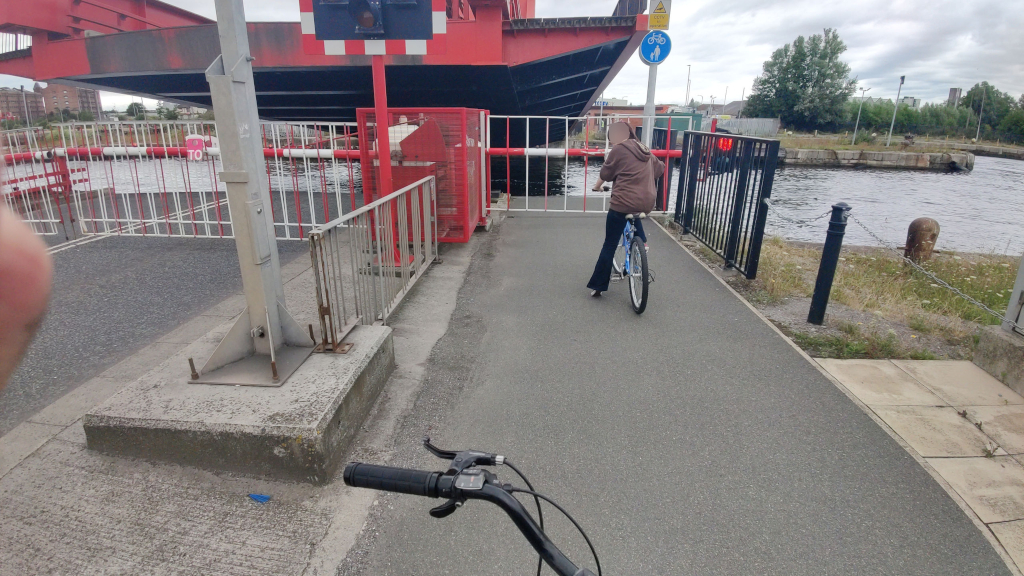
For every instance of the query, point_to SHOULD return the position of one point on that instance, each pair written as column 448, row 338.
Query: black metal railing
column 723, row 191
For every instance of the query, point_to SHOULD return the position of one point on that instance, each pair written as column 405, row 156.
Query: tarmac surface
column 690, row 440
column 112, row 297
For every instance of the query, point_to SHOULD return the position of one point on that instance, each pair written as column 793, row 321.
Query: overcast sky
column 937, row 44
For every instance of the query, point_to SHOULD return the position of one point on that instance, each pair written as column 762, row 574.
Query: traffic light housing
column 373, row 19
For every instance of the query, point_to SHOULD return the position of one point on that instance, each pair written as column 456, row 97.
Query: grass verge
column 880, row 307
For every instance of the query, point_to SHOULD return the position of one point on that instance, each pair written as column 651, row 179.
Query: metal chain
column 773, row 210
column 940, row 281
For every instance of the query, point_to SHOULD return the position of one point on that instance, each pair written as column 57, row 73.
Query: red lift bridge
column 499, row 58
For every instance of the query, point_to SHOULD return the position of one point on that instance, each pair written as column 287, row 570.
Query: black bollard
column 829, row 260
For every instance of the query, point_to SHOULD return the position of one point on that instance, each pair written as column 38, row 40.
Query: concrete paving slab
column 228, row 308
column 133, row 367
column 960, row 383
column 993, row 487
column 935, row 431
column 75, row 434
column 23, row 440
column 192, row 330
column 880, row 383
column 69, row 511
column 1011, row 536
column 73, row 405
column 1005, row 424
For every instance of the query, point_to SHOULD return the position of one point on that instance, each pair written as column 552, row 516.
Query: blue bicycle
column 630, row 262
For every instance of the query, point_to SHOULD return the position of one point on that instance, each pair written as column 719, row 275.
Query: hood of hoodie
column 637, row 149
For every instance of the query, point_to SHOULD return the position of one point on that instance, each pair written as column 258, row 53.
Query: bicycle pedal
column 617, row 278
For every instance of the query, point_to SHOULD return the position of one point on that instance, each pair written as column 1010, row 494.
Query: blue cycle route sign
column 654, row 48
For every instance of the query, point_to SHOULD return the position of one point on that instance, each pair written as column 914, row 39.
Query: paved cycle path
column 690, row 440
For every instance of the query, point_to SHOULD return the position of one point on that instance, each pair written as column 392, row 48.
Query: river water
column 978, row 211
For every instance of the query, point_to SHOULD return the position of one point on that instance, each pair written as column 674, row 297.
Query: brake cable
column 540, row 513
column 510, row 488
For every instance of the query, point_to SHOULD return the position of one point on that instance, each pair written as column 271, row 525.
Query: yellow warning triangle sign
column 660, row 9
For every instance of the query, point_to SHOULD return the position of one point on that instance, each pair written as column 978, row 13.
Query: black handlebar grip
column 402, row 480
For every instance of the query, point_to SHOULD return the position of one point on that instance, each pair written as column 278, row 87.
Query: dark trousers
column 613, row 227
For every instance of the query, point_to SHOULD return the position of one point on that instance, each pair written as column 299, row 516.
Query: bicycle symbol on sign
column 655, row 47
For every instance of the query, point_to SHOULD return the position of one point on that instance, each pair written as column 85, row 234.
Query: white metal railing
column 564, row 160
column 366, row 261
column 140, row 178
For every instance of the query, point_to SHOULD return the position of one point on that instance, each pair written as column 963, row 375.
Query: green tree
column 997, row 103
column 171, row 114
column 1013, row 124
column 805, row 84
column 136, row 109
column 86, row 116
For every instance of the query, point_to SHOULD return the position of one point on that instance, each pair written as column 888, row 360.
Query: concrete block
column 295, row 432
column 1001, row 354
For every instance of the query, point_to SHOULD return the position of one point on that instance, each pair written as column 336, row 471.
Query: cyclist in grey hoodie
column 633, row 172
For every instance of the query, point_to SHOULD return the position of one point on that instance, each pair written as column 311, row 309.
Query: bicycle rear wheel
column 639, row 278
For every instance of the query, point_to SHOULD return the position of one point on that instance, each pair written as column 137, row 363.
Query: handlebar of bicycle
column 438, row 485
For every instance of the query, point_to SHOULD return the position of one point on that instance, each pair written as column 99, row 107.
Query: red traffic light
column 725, row 144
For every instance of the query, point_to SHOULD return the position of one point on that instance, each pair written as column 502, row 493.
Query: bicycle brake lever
column 442, row 454
column 446, row 509
column 464, row 459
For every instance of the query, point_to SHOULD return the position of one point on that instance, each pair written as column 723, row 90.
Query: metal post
column 863, row 91
column 652, row 80
column 897, row 107
column 983, row 94
column 380, row 105
column 265, row 336
column 687, row 85
column 829, row 260
column 1015, row 310
column 28, row 115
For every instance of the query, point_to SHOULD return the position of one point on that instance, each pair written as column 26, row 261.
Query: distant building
column 14, row 103
column 734, row 108
column 61, row 97
column 611, row 102
column 878, row 100
column 954, row 96
column 914, row 103
column 598, row 119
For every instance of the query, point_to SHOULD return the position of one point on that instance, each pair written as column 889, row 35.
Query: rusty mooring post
column 921, row 238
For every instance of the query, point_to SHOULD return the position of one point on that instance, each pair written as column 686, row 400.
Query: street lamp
column 859, row 108
column 687, row 84
column 895, row 108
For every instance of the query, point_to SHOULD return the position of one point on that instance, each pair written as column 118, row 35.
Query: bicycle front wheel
column 639, row 279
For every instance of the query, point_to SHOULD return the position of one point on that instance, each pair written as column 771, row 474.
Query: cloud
column 936, row 44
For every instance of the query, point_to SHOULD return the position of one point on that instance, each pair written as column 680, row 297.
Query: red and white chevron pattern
column 310, row 45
